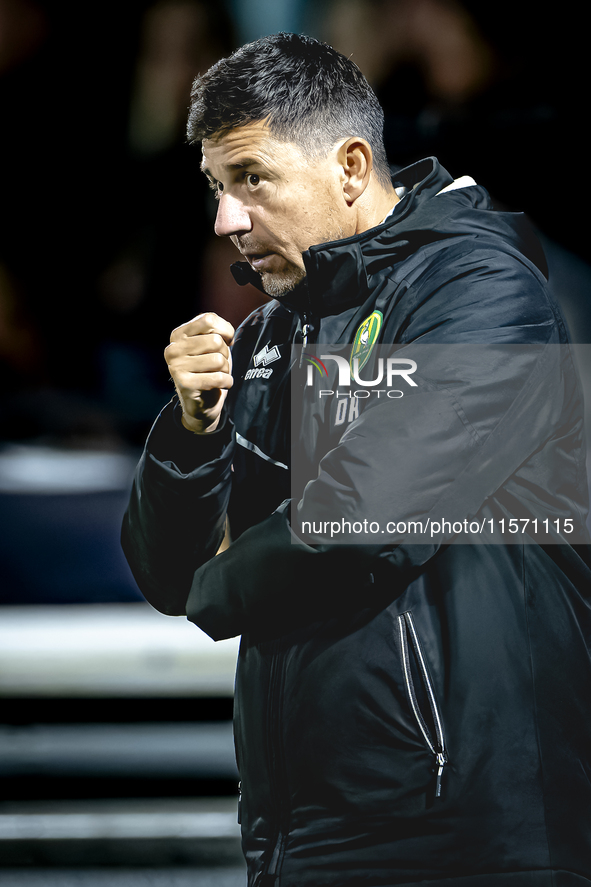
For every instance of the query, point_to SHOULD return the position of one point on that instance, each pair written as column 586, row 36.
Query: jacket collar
column 337, row 272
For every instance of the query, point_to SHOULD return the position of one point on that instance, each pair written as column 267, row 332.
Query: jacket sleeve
column 176, row 515
column 476, row 417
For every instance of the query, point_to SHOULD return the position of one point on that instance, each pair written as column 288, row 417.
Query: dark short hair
column 308, row 93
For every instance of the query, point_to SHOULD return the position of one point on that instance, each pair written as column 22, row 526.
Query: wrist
column 199, row 426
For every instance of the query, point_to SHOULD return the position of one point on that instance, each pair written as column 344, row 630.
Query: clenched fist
column 200, row 364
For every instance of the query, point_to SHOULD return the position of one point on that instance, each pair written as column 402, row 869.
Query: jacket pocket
column 419, row 688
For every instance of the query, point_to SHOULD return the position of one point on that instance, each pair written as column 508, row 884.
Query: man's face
column 274, row 202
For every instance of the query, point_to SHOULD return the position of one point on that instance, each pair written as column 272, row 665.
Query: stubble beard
column 277, row 285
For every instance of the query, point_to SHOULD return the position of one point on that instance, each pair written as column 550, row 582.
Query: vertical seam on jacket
column 283, row 764
column 535, row 706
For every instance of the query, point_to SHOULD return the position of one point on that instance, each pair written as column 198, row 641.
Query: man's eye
column 252, row 179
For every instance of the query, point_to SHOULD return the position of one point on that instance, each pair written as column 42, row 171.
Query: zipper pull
column 239, row 802
column 306, row 327
column 441, row 762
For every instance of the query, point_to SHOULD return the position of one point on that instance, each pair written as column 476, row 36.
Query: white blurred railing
column 109, row 650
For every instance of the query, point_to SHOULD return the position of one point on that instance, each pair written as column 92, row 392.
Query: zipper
column 277, row 770
column 307, row 328
column 436, row 742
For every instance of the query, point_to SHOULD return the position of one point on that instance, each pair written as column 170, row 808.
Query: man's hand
column 200, row 364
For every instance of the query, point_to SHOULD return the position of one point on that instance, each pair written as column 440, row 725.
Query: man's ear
column 356, row 159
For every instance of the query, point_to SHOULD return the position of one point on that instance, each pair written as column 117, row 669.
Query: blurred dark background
column 106, row 245
column 106, row 240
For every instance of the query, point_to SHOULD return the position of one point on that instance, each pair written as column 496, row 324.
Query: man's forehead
column 249, row 138
column 246, row 145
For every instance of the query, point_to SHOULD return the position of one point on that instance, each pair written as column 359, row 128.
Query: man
column 410, row 709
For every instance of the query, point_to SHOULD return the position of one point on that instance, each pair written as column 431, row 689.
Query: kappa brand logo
column 365, row 338
column 261, row 360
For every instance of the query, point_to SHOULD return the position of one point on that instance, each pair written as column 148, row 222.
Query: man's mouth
column 259, row 261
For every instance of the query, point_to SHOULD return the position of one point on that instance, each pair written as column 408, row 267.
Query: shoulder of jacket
column 261, row 314
column 465, row 253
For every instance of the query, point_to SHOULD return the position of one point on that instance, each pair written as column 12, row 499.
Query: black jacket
column 408, row 709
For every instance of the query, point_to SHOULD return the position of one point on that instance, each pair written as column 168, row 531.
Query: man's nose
column 232, row 217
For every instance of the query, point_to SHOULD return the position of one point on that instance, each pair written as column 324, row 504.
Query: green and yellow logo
column 365, row 338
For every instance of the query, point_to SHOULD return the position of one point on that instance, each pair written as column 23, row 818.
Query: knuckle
column 217, row 379
column 209, row 318
column 172, row 354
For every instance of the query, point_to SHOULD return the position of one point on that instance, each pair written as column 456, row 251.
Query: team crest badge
column 365, row 338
